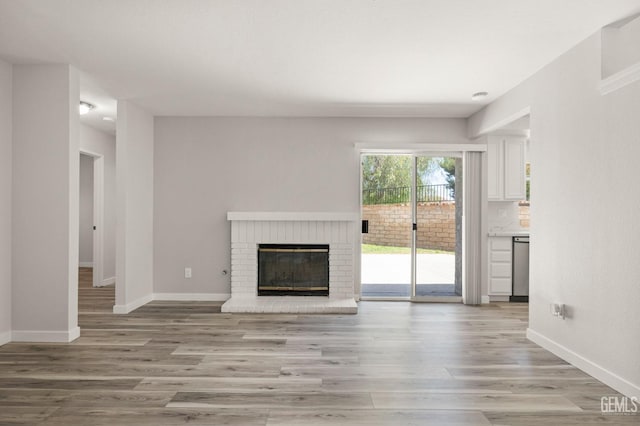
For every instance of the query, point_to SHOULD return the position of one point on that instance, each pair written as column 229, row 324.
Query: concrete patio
column 389, row 275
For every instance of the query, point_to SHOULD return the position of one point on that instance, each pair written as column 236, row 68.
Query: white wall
column 619, row 47
column 86, row 211
column 134, row 230
column 5, row 200
column 100, row 143
column 45, row 203
column 205, row 167
column 584, row 205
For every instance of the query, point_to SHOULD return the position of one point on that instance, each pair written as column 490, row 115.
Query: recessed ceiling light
column 85, row 107
column 108, row 119
column 479, row 96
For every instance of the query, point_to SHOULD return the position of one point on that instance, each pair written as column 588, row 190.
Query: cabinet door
column 500, row 287
column 500, row 266
column 494, row 169
column 514, row 170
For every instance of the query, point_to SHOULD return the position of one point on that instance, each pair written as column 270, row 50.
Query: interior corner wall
column 205, row 167
column 584, row 154
column 6, row 85
column 101, row 143
column 134, row 228
column 45, row 203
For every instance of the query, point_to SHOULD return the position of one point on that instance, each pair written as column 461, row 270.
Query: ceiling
column 392, row 58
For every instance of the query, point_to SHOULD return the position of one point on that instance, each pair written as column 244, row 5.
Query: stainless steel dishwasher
column 520, row 266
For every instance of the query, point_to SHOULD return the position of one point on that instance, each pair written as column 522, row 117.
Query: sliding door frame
column 414, row 245
column 432, row 150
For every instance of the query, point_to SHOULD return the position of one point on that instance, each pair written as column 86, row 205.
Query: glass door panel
column 387, row 193
column 438, row 218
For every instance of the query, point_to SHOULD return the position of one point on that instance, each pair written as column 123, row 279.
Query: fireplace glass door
column 293, row 270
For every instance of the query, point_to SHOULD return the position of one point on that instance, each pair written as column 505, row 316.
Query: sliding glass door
column 438, row 218
column 411, row 227
column 387, row 209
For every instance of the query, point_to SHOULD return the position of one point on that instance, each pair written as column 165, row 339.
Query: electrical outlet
column 187, row 272
column 558, row 310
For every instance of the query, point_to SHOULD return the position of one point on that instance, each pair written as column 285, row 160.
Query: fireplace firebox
column 293, row 270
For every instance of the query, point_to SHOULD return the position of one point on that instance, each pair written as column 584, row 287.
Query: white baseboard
column 605, row 376
column 85, row 264
column 208, row 297
column 45, row 336
column 5, row 338
column 178, row 297
column 132, row 306
column 108, row 281
column 74, row 334
column 485, row 300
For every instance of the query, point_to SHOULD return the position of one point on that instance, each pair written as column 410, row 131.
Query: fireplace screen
column 293, row 270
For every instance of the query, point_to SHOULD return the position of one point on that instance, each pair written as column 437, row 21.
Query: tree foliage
column 385, row 171
column 394, row 171
column 388, row 178
column 448, row 165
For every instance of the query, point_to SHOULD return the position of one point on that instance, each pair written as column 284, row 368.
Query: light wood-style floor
column 394, row 363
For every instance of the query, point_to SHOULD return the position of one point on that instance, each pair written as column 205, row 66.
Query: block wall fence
column 523, row 210
column 390, row 225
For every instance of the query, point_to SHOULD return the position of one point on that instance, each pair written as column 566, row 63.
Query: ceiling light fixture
column 108, row 119
column 85, row 107
column 479, row 96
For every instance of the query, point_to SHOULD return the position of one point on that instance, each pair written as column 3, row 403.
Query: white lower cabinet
column 500, row 266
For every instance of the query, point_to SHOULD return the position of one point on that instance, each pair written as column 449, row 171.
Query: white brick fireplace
column 248, row 229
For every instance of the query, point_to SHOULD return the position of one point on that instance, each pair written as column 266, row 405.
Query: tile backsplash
column 505, row 216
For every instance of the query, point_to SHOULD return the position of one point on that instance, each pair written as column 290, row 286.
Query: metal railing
column 402, row 194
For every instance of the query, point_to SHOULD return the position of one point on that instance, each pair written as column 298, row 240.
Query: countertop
column 504, row 233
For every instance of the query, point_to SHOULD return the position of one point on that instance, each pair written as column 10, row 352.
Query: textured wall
column 583, row 253
column 5, row 200
column 45, row 202
column 205, row 167
column 134, row 239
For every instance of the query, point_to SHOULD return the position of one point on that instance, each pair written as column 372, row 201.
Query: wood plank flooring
column 394, row 363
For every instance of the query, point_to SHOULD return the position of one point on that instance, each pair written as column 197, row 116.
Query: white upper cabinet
column 514, row 169
column 506, row 168
column 495, row 167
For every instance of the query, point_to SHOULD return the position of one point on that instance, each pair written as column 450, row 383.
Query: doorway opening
column 412, row 215
column 91, row 218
